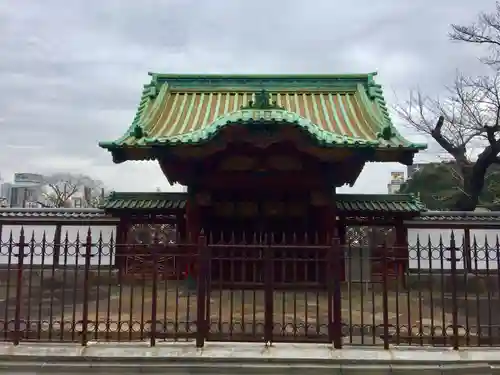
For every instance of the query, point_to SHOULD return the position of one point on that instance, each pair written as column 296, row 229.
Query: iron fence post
column 203, row 259
column 453, row 250
column 85, row 308
column 19, row 286
column 385, row 296
column 334, row 294
column 467, row 256
column 330, row 258
column 154, row 292
column 56, row 249
column 268, row 290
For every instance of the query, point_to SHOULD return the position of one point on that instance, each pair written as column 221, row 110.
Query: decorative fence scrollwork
column 141, row 238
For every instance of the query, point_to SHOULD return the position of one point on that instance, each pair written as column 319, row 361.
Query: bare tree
column 485, row 31
column 465, row 123
column 60, row 188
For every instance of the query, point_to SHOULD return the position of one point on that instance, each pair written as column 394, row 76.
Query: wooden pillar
column 193, row 217
column 180, row 226
column 323, row 208
column 193, row 228
column 341, row 230
column 336, row 232
column 328, row 223
column 341, row 235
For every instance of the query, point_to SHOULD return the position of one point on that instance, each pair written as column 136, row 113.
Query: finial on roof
column 138, row 132
column 386, row 133
column 262, row 101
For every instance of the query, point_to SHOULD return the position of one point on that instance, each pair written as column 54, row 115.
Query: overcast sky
column 71, row 71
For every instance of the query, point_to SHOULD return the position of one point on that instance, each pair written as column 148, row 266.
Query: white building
column 397, row 179
column 25, row 191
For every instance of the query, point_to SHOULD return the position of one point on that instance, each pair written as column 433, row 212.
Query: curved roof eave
column 251, row 116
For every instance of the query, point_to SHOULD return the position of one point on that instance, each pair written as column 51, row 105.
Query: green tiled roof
column 470, row 218
column 145, row 201
column 48, row 214
column 400, row 203
column 334, row 110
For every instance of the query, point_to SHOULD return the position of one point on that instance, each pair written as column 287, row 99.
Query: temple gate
column 262, row 157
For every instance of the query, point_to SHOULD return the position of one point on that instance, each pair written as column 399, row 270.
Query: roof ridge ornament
column 386, row 133
column 262, row 100
column 138, row 132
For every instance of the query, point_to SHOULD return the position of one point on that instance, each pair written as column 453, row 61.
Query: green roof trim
column 145, row 201
column 260, row 81
column 345, row 203
column 396, row 203
column 336, row 110
column 470, row 218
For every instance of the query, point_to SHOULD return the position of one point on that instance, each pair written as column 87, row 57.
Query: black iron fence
column 86, row 287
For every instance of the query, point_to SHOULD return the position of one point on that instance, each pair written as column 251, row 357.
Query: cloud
column 71, row 72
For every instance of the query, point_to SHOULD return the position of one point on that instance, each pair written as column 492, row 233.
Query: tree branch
column 44, row 205
column 485, row 31
column 457, row 151
column 491, row 132
column 63, row 186
column 468, row 118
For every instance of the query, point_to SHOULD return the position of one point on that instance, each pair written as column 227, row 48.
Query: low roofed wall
column 471, row 230
column 41, row 225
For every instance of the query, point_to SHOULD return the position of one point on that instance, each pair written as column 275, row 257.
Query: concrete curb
column 241, row 358
column 245, row 369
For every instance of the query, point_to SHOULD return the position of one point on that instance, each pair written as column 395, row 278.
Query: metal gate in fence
column 271, row 291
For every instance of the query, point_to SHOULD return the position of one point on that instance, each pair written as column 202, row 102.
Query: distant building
column 85, row 198
column 5, row 192
column 25, row 191
column 393, row 189
column 397, row 179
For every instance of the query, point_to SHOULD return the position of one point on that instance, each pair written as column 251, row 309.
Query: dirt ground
column 126, row 311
